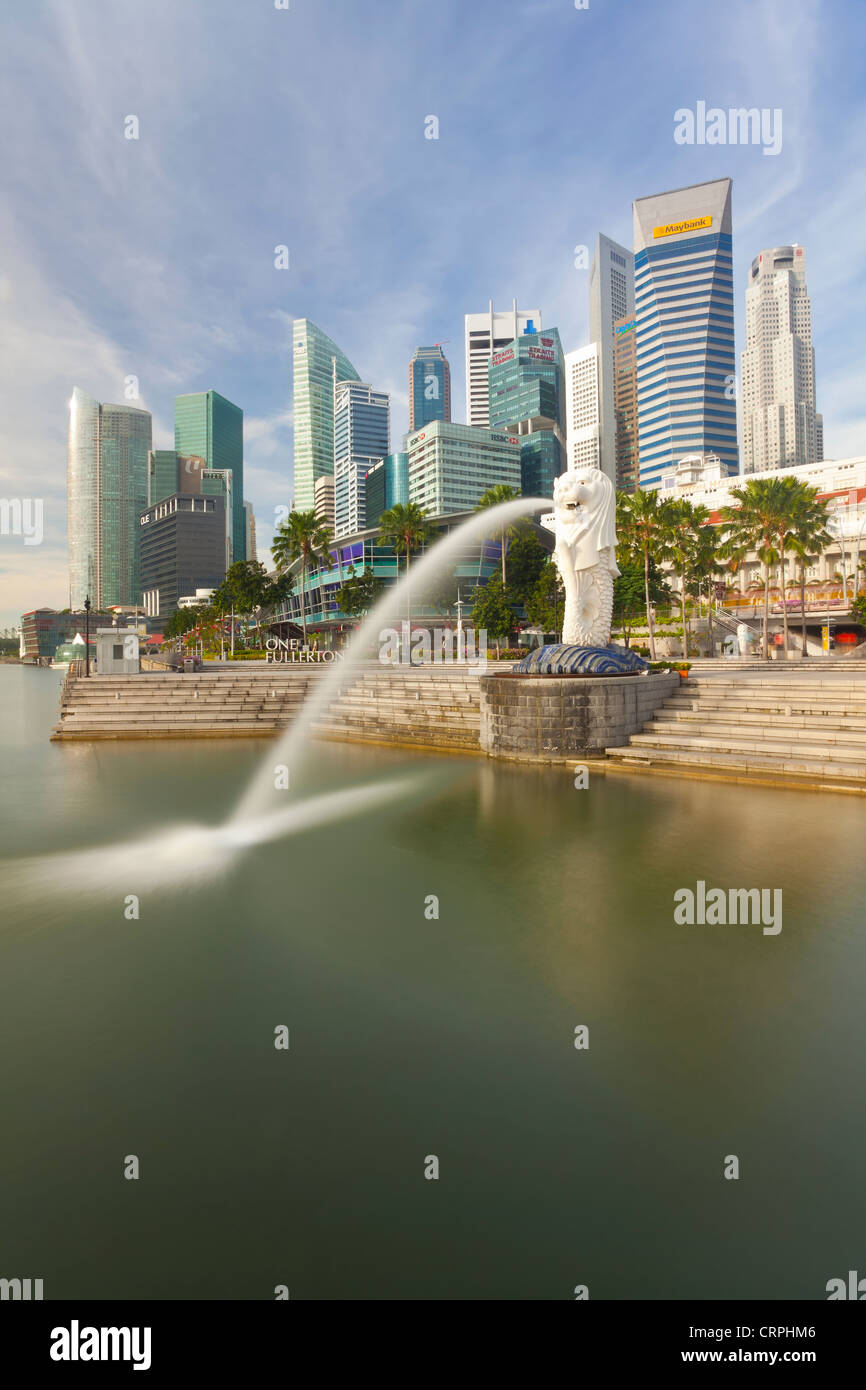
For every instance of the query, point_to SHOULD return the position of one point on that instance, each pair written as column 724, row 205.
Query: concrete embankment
column 782, row 725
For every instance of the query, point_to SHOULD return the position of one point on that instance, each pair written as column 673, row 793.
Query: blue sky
column 261, row 127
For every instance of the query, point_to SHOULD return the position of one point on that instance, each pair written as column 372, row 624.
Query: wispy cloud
column 305, row 128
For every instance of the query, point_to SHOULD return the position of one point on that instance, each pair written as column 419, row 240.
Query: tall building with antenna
column 780, row 427
column 485, row 334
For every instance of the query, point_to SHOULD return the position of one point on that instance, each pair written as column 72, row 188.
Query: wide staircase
column 434, row 707
column 786, row 725
column 437, row 707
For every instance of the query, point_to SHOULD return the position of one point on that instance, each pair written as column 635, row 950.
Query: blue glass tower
column 684, row 314
column 387, row 485
column 527, row 399
column 429, row 387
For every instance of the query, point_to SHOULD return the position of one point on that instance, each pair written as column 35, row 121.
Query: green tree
column 491, row 611
column 687, row 523
column 545, row 605
column 858, row 613
column 629, row 592
column 302, row 536
column 360, row 592
column 527, row 561
column 759, row 523
column 442, row 593
column 183, row 620
column 644, row 527
column 406, row 529
column 492, row 497
column 808, row 539
column 249, row 592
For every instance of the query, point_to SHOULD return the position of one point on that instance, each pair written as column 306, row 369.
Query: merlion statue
column 584, row 504
column 584, row 524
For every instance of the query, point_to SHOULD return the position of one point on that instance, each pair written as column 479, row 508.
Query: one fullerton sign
column 277, row 649
column 692, row 224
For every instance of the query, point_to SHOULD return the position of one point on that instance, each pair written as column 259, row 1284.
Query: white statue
column 584, row 523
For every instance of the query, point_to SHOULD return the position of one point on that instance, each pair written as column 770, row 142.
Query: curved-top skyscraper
column 313, row 406
column 106, row 490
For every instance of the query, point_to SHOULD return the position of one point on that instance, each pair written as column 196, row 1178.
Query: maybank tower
column 684, row 328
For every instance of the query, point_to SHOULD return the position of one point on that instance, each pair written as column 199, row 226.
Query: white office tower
column 323, row 491
column 611, row 298
column 485, row 334
column 583, row 408
column 778, row 393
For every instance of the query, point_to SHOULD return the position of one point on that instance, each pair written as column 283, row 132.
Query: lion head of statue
column 584, row 503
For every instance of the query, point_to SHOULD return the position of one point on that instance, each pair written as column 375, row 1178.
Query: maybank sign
column 693, row 224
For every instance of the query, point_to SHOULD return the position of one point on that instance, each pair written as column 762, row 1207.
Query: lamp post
column 87, row 636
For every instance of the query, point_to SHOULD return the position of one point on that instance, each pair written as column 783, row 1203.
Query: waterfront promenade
column 788, row 724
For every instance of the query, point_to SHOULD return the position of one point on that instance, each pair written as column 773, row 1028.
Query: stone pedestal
column 552, row 718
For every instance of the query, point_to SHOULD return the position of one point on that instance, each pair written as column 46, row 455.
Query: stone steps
column 814, row 770
column 783, row 726
column 722, row 722
column 810, row 746
column 439, row 708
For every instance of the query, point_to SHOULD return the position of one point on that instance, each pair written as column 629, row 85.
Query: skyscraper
column 611, row 298
column 583, row 406
column 527, row 399
column 183, row 548
column 361, row 438
column 313, row 406
column 210, row 427
column 485, row 334
column 429, row 387
column 387, row 485
column 323, row 499
column 251, row 531
column 684, row 312
column 780, row 427
column 106, row 486
column 451, row 465
column 625, row 403
column 162, row 475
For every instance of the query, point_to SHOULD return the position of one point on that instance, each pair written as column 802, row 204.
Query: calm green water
column 412, row 1037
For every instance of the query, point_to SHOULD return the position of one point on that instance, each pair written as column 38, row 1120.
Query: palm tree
column 686, row 551
column 302, row 536
column 492, row 497
column 808, row 539
column 759, row 523
column 406, row 529
column 644, row 527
